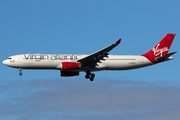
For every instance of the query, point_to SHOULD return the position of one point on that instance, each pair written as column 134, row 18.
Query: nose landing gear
column 90, row 75
column 20, row 73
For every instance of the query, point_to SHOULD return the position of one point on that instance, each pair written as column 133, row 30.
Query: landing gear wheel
column 92, row 78
column 88, row 73
column 87, row 76
column 20, row 73
column 93, row 75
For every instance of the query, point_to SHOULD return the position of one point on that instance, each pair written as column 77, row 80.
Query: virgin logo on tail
column 158, row 51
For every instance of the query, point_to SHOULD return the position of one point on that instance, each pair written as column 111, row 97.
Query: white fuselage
column 72, row 64
column 53, row 61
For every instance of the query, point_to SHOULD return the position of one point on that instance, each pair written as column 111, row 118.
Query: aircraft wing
column 99, row 55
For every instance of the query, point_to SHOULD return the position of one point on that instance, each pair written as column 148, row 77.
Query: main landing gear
column 90, row 75
column 20, row 73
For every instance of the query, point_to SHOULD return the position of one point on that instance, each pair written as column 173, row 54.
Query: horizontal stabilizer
column 165, row 57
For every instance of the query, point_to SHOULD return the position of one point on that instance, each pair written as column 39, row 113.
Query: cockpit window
column 9, row 58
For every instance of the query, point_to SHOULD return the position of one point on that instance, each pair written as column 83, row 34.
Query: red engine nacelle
column 70, row 65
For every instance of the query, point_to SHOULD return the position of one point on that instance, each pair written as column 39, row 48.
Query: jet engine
column 66, row 68
column 70, row 65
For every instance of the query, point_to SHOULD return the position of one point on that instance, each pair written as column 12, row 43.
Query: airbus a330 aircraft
column 71, row 65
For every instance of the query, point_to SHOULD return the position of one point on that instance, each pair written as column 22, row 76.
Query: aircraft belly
column 120, row 65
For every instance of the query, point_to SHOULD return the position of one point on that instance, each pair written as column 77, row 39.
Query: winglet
column 117, row 42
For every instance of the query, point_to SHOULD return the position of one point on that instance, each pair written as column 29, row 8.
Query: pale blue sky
column 84, row 27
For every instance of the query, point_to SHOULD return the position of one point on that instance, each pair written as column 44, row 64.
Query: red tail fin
column 161, row 48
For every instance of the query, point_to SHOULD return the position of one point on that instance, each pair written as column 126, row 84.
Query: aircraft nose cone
column 5, row 62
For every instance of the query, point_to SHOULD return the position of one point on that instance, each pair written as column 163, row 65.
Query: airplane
column 72, row 64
